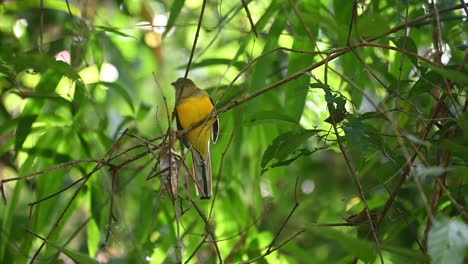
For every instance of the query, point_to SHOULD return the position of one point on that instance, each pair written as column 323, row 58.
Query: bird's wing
column 214, row 127
column 179, row 127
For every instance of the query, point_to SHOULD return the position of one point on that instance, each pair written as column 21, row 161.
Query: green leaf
column 285, row 144
column 48, row 4
column 408, row 44
column 76, row 256
column 79, row 94
column 115, row 31
column 96, row 49
column 23, row 129
column 370, row 115
column 318, row 85
column 214, row 62
column 448, row 241
column 96, row 202
column 265, row 19
column 229, row 94
column 5, row 70
column 426, row 83
column 299, row 153
column 120, row 90
column 42, row 63
column 361, row 248
column 269, row 116
column 414, row 255
column 143, row 111
column 92, row 237
column 8, row 125
column 176, row 7
column 48, row 83
column 336, row 102
column 431, row 171
column 453, row 75
column 263, row 68
column 48, row 153
column 296, row 90
column 372, row 25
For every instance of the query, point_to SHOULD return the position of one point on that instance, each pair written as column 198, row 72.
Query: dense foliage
column 344, row 131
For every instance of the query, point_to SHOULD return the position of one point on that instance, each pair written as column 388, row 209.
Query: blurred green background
column 85, row 97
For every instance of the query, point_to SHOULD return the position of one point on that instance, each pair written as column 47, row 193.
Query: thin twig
column 296, row 205
column 111, row 217
column 41, row 27
column 352, row 170
column 195, row 39
column 196, row 249
column 252, row 24
column 402, row 60
column 62, row 215
column 209, row 230
column 293, row 236
column 65, row 164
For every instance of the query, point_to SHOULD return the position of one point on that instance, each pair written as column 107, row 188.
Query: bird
column 193, row 105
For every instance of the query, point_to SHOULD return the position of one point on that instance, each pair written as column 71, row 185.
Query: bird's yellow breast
column 192, row 110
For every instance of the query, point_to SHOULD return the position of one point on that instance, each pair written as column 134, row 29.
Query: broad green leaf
column 176, row 7
column 426, row 83
column 318, row 85
column 336, row 102
column 457, row 145
column 267, row 15
column 285, row 144
column 5, row 70
column 48, row 153
column 46, row 96
column 214, row 62
column 97, row 49
column 93, row 236
column 120, row 90
column 304, row 39
column 78, row 96
column 362, row 248
column 8, row 125
column 342, row 11
column 22, row 130
column 408, row 44
column 42, row 62
column 114, row 30
column 144, row 217
column 76, row 256
column 49, row 82
column 262, row 69
column 405, row 252
column 8, row 216
column 47, row 4
column 298, row 153
column 448, row 241
column 454, row 76
column 143, row 111
column 370, row 115
column 370, row 25
column 230, row 94
column 269, row 117
column 462, row 121
column 97, row 200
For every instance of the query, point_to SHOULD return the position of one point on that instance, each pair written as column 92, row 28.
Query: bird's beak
column 173, row 83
